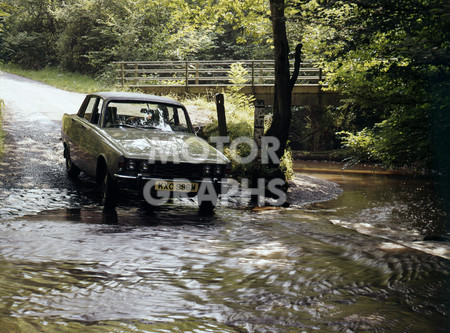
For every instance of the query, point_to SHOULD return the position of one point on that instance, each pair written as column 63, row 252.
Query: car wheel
column 206, row 207
column 110, row 192
column 72, row 170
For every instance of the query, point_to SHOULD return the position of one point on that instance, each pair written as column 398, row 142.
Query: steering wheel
column 130, row 120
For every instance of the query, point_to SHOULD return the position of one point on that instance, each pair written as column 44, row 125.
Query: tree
column 3, row 15
column 388, row 58
column 284, row 83
column 219, row 29
column 30, row 32
column 86, row 35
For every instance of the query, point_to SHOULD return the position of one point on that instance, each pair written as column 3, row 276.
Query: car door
column 75, row 128
column 89, row 138
column 81, row 127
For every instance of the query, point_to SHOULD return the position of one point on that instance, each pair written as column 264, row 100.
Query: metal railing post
column 253, row 74
column 261, row 73
column 123, row 74
column 196, row 73
column 187, row 74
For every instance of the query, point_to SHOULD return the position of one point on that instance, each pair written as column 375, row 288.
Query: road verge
column 2, row 133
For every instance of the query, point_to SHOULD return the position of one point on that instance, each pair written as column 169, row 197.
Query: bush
column 31, row 50
column 402, row 140
column 287, row 164
column 361, row 145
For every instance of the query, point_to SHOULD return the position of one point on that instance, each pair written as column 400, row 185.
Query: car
column 143, row 144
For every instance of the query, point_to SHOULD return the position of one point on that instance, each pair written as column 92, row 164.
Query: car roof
column 112, row 95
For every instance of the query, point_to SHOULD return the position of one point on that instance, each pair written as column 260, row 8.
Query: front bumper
column 137, row 182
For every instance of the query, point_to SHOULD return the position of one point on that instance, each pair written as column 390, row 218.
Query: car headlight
column 131, row 165
column 144, row 167
column 207, row 170
column 218, row 171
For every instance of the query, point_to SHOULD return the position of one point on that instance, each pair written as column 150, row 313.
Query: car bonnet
column 156, row 145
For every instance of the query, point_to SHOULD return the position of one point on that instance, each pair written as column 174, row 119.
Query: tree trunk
column 283, row 82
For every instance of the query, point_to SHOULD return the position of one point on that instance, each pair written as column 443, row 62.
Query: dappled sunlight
column 358, row 261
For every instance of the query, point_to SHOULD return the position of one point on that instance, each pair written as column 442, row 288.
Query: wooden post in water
column 223, row 131
column 259, row 122
column 258, row 133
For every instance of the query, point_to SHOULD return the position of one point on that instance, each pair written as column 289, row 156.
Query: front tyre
column 206, row 208
column 110, row 192
column 72, row 170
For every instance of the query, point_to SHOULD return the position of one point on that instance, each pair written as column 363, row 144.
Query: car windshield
column 138, row 114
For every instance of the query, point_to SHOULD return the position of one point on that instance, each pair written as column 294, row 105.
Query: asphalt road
column 32, row 175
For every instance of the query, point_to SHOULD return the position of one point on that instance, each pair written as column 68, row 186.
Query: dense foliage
column 388, row 58
column 86, row 35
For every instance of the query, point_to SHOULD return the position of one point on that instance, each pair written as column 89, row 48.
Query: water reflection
column 398, row 207
column 284, row 270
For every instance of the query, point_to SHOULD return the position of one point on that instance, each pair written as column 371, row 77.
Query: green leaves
column 219, row 29
column 385, row 58
column 402, row 140
column 86, row 35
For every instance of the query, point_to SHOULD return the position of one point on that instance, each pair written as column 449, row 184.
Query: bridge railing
column 141, row 74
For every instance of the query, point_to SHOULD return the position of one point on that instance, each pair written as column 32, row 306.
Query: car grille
column 180, row 170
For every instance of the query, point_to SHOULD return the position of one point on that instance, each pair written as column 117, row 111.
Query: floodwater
column 354, row 264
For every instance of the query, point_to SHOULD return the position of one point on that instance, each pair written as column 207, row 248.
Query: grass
column 60, row 79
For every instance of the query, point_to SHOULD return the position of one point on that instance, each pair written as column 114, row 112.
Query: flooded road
column 403, row 208
column 356, row 263
column 286, row 270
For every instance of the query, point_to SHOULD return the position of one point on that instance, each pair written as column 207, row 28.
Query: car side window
column 92, row 111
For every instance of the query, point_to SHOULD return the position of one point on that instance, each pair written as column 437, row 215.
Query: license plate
column 161, row 185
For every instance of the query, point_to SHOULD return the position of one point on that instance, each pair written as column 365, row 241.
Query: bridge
column 210, row 77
